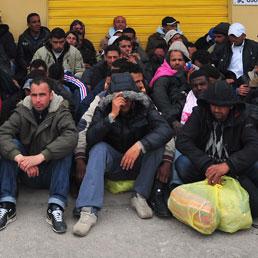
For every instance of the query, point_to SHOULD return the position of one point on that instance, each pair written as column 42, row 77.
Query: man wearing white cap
column 239, row 55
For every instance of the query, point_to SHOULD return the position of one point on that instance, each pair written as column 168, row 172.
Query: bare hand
column 164, row 172
column 32, row 171
column 215, row 172
column 31, row 161
column 117, row 102
column 243, row 90
column 130, row 157
column 79, row 170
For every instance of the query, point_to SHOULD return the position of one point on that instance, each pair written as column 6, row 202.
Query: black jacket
column 27, row 46
column 7, row 41
column 169, row 95
column 143, row 123
column 222, row 55
column 240, row 138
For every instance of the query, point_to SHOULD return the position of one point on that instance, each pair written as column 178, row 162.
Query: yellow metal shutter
column 196, row 16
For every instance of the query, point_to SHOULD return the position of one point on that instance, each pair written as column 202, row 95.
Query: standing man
column 37, row 141
column 34, row 37
column 57, row 50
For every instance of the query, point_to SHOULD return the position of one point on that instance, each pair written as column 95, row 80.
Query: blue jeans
column 105, row 159
column 53, row 175
column 248, row 179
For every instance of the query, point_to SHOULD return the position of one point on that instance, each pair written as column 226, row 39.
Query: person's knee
column 99, row 148
column 184, row 167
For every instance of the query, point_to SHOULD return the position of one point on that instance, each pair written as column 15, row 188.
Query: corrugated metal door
column 195, row 16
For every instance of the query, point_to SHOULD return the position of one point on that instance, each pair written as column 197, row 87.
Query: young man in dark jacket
column 126, row 135
column 218, row 139
column 37, row 141
column 34, row 37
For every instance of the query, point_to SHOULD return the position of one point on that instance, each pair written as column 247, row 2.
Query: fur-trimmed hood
column 140, row 97
column 56, row 102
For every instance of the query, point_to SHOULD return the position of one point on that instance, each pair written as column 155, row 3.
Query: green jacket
column 55, row 137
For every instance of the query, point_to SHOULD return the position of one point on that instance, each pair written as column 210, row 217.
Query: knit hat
column 178, row 45
column 122, row 82
column 168, row 20
column 236, row 29
column 221, row 28
column 170, row 34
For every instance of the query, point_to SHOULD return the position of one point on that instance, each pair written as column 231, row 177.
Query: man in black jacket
column 34, row 37
column 126, row 135
column 218, row 139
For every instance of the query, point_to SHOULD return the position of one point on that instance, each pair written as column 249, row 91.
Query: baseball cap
column 168, row 20
column 170, row 34
column 236, row 29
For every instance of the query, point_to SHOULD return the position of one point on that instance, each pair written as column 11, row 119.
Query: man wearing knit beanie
column 221, row 32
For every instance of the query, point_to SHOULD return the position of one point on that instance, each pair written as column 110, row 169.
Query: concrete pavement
column 118, row 233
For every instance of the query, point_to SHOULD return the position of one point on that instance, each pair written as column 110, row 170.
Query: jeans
column 105, row 159
column 53, row 175
column 248, row 180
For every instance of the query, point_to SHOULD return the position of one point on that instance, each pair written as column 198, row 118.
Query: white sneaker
column 86, row 221
column 139, row 203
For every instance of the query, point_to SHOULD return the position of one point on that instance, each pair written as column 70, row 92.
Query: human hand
column 117, row 102
column 243, row 90
column 80, row 168
column 31, row 161
column 130, row 157
column 164, row 172
column 215, row 172
column 32, row 171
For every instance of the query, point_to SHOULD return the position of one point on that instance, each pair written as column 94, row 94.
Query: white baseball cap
column 236, row 29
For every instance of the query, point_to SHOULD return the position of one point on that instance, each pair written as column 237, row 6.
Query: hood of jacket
column 55, row 103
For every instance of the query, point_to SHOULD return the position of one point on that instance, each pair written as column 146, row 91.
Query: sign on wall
column 245, row 2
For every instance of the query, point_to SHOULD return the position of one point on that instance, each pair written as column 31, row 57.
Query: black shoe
column 76, row 213
column 157, row 201
column 55, row 218
column 7, row 214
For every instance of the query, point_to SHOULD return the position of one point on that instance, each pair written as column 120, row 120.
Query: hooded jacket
column 7, row 41
column 55, row 137
column 71, row 58
column 142, row 123
column 27, row 46
column 240, row 137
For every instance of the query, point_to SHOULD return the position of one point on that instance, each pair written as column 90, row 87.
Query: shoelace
column 58, row 215
column 85, row 216
column 3, row 212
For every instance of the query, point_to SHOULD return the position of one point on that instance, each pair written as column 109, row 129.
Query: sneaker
column 55, row 218
column 139, row 203
column 86, row 221
column 7, row 214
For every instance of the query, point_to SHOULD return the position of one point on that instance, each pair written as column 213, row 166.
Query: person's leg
column 144, row 182
column 102, row 158
column 175, row 179
column 187, row 171
column 249, row 181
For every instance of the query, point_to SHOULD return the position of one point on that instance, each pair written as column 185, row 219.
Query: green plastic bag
column 207, row 208
column 119, row 186
column 233, row 205
column 195, row 205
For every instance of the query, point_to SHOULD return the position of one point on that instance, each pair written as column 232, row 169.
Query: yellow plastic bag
column 233, row 205
column 206, row 208
column 119, row 186
column 195, row 205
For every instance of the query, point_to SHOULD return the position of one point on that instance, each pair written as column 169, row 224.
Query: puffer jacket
column 71, row 58
column 143, row 123
column 55, row 137
column 27, row 46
